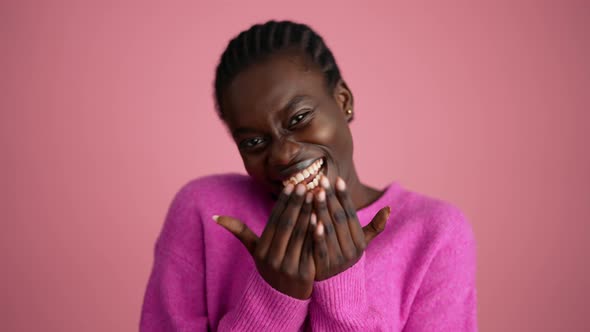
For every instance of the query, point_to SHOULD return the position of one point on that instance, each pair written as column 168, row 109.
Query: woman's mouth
column 310, row 177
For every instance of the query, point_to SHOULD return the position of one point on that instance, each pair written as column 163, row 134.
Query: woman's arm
column 175, row 298
column 445, row 301
column 278, row 291
column 341, row 304
column 339, row 301
column 447, row 297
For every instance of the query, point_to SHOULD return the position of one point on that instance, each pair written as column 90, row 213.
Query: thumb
column 377, row 225
column 240, row 230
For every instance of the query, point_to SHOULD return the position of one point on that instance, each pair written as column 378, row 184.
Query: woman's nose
column 284, row 151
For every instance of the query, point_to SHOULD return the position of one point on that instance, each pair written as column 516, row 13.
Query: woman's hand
column 283, row 254
column 339, row 239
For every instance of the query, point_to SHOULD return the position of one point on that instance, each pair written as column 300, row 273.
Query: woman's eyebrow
column 292, row 104
column 241, row 131
column 295, row 101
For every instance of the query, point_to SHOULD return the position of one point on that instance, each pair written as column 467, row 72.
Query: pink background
column 106, row 110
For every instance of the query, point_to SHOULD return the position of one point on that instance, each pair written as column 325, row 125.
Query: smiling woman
column 284, row 116
column 312, row 251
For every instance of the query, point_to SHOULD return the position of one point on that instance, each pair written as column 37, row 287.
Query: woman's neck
column 361, row 194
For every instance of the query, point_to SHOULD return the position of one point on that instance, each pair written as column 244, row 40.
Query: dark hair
column 262, row 40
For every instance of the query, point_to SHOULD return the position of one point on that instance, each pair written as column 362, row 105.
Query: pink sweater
column 418, row 275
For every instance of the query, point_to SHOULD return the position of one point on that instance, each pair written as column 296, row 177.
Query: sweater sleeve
column 446, row 299
column 262, row 308
column 340, row 303
column 175, row 298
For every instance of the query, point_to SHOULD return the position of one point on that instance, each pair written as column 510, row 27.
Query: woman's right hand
column 283, row 254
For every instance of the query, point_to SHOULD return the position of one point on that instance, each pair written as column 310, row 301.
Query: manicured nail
column 340, row 184
column 324, row 182
column 320, row 229
column 321, row 196
column 313, row 220
column 300, row 190
column 215, row 217
column 288, row 189
column 308, row 198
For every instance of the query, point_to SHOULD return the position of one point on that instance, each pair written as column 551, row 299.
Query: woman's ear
column 344, row 98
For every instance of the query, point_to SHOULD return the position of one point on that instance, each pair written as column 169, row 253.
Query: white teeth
column 318, row 164
column 314, row 183
column 306, row 174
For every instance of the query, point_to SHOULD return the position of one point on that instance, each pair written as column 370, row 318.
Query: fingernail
column 340, row 184
column 320, row 229
column 388, row 210
column 215, row 217
column 300, row 190
column 324, row 182
column 313, row 219
column 288, row 189
column 321, row 196
column 308, row 198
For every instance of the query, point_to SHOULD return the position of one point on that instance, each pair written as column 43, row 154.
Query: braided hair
column 261, row 41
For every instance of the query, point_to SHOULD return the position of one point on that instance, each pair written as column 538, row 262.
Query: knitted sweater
column 417, row 275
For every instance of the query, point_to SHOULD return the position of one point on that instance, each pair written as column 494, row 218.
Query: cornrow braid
column 262, row 40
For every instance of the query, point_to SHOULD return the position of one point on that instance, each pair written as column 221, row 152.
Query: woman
column 312, row 250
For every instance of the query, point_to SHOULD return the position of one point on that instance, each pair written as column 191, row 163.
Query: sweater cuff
column 264, row 308
column 345, row 290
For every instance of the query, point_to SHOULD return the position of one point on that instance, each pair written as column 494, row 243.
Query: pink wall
column 106, row 111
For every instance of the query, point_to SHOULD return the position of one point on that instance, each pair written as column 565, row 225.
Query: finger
column 284, row 227
column 240, row 230
column 298, row 236
column 306, row 263
column 320, row 247
column 321, row 208
column 377, row 225
column 269, row 230
column 356, row 231
column 339, row 220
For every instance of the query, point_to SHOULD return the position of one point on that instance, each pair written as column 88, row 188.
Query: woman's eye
column 251, row 142
column 298, row 118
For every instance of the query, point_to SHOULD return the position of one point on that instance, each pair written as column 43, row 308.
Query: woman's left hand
column 339, row 239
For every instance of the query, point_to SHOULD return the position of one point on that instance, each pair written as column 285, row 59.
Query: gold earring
column 349, row 111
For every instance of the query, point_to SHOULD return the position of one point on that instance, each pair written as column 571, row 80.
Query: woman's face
column 284, row 120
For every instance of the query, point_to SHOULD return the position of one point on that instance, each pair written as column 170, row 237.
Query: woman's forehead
column 271, row 85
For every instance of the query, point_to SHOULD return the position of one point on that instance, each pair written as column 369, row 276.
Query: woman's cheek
column 252, row 167
column 322, row 132
column 336, row 136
